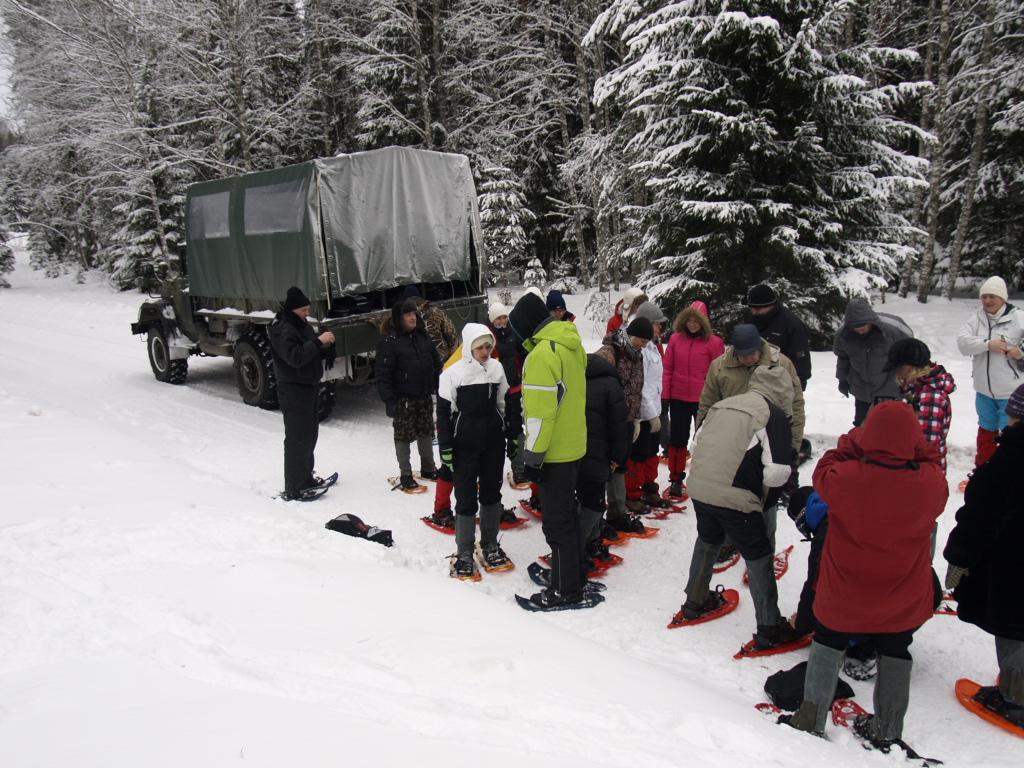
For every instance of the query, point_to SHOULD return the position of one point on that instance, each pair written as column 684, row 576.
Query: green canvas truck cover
column 338, row 226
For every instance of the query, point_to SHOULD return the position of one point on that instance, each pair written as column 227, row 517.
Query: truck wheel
column 164, row 369
column 325, row 400
column 254, row 371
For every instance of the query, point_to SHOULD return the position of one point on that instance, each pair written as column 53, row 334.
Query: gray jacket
column 860, row 360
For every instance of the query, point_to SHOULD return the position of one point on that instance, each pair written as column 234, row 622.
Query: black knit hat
column 296, row 299
column 908, row 352
column 641, row 328
column 527, row 314
column 762, row 295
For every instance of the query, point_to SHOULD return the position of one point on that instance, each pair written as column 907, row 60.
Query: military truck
column 351, row 231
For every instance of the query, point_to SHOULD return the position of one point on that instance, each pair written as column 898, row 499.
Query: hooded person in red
column 885, row 489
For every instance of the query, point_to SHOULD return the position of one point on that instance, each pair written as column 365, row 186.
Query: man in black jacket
column 299, row 356
column 407, row 369
column 778, row 326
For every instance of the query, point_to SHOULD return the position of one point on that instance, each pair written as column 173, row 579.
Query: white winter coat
column 650, row 403
column 995, row 374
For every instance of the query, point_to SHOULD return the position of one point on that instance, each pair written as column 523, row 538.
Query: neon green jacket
column 555, row 395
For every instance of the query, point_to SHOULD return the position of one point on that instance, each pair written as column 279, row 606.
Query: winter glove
column 511, row 448
column 953, row 575
column 534, row 474
column 448, row 458
column 391, row 408
column 844, row 389
column 329, row 353
column 636, row 430
column 655, row 424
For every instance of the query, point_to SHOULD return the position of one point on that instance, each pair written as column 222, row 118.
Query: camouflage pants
column 413, row 419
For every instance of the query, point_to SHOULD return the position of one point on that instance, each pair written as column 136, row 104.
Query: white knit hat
column 535, row 291
column 629, row 295
column 497, row 309
column 994, row 286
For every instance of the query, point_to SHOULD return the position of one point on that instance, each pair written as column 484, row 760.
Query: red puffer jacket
column 885, row 488
column 688, row 357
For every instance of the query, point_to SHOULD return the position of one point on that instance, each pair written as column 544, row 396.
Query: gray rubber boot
column 892, row 697
column 465, row 534
column 702, row 563
column 764, row 593
column 425, row 445
column 771, row 521
column 823, row 666
column 403, row 452
column 490, row 524
column 616, row 492
column 1010, row 654
column 590, row 520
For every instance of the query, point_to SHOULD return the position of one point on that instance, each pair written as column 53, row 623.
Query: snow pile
column 159, row 608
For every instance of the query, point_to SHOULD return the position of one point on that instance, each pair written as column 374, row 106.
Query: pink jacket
column 688, row 357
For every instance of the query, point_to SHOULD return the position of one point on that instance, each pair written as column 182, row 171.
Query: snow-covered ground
column 159, row 608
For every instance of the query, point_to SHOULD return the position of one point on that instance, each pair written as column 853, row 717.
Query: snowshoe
column 541, row 576
column 463, row 568
column 406, row 484
column 861, row 728
column 861, row 669
column 983, row 701
column 324, row 482
column 780, row 563
column 763, row 645
column 633, row 527
column 552, row 600
column 306, row 494
column 728, row 556
column 517, row 482
column 676, row 492
column 532, row 507
column 509, row 519
column 717, row 604
column 443, row 520
column 948, row 605
column 493, row 559
column 610, row 535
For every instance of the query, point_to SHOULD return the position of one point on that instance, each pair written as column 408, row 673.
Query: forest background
column 831, row 147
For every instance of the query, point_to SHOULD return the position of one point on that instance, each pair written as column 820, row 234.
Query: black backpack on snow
column 786, row 687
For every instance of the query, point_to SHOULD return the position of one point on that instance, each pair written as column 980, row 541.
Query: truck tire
column 254, row 371
column 164, row 369
column 325, row 400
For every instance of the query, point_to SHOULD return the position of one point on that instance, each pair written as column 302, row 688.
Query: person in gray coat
column 862, row 350
column 743, row 450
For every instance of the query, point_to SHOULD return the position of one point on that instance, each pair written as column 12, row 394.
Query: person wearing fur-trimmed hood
column 472, row 436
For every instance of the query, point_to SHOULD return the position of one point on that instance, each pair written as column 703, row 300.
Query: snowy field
column 159, row 608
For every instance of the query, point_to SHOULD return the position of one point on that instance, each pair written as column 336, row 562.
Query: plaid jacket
column 929, row 397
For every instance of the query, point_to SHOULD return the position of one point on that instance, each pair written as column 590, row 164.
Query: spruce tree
column 505, row 218
column 767, row 149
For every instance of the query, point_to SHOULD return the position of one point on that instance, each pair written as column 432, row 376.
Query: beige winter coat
column 728, row 377
column 739, row 453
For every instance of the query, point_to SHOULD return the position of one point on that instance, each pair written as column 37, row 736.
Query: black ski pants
column 561, row 526
column 747, row 530
column 478, row 464
column 683, row 414
column 893, row 644
column 301, row 429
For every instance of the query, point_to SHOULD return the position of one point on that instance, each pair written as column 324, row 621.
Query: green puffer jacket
column 555, row 395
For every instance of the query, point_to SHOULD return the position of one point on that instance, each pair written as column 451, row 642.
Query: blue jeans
column 991, row 412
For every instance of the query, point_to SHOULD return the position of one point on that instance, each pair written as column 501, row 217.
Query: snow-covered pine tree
column 505, row 219
column 986, row 145
column 769, row 151
column 535, row 273
column 6, row 257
